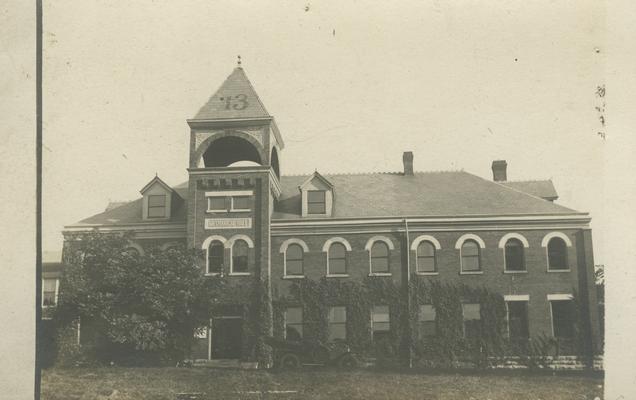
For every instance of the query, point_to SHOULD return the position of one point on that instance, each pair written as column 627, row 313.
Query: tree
column 148, row 303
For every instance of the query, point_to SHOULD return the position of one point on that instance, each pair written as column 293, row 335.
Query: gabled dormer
column 317, row 196
column 157, row 201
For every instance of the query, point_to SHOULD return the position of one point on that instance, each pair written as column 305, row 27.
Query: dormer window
column 157, row 206
column 158, row 200
column 317, row 196
column 316, row 202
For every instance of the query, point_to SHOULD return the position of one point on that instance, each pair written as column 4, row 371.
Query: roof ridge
column 519, row 191
column 258, row 98
column 528, row 180
column 377, row 172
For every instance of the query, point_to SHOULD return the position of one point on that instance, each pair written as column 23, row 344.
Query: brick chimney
column 499, row 171
column 407, row 158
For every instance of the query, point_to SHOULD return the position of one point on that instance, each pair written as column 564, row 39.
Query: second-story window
column 426, row 257
column 557, row 254
column 514, row 255
column 470, row 256
column 239, row 256
column 294, row 260
column 215, row 257
column 157, row 206
column 379, row 258
column 337, row 259
column 316, row 202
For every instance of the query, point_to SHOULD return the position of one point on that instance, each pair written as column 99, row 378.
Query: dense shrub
column 140, row 304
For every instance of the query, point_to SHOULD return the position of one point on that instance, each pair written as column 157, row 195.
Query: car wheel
column 348, row 361
column 289, row 361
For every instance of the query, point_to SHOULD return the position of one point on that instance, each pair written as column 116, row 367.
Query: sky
column 351, row 86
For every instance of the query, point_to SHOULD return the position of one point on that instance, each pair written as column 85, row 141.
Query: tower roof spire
column 235, row 99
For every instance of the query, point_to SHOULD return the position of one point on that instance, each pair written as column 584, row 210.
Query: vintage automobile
column 291, row 354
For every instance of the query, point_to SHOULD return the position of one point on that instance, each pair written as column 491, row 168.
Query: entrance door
column 227, row 335
column 201, row 345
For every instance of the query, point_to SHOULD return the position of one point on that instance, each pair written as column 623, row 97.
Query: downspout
column 408, row 292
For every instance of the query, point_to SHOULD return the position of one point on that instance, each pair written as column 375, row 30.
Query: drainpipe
column 408, row 291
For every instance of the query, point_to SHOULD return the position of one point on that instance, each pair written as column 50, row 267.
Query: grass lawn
column 228, row 384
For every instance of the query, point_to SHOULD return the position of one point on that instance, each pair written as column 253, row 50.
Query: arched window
column 557, row 254
column 215, row 257
column 514, row 257
column 379, row 258
column 426, row 257
column 294, row 260
column 470, row 256
column 239, row 256
column 337, row 263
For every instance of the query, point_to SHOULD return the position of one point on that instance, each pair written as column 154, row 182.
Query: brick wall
column 537, row 282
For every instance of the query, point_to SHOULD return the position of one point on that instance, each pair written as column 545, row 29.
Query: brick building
column 265, row 233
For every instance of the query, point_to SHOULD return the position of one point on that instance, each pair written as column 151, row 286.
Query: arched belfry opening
column 229, row 150
column 274, row 162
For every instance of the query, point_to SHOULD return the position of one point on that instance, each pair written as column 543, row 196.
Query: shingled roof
column 544, row 189
column 235, row 99
column 131, row 212
column 452, row 193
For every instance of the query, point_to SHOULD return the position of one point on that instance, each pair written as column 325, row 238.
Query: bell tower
column 234, row 177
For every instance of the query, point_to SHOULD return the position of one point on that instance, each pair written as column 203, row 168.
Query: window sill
column 294, row 277
column 216, row 211
column 380, row 274
column 559, row 270
column 240, row 211
column 49, row 307
column 426, row 273
column 471, row 272
column 337, row 275
column 515, row 272
column 212, row 274
column 239, row 274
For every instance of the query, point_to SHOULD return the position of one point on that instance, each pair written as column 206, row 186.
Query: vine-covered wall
column 446, row 348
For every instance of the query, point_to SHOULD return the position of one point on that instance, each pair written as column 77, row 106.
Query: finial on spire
column 238, row 62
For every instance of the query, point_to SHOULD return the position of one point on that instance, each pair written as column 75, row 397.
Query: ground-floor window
column 426, row 319
column 380, row 322
column 563, row 318
column 294, row 323
column 49, row 292
column 517, row 319
column 472, row 320
column 337, row 320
